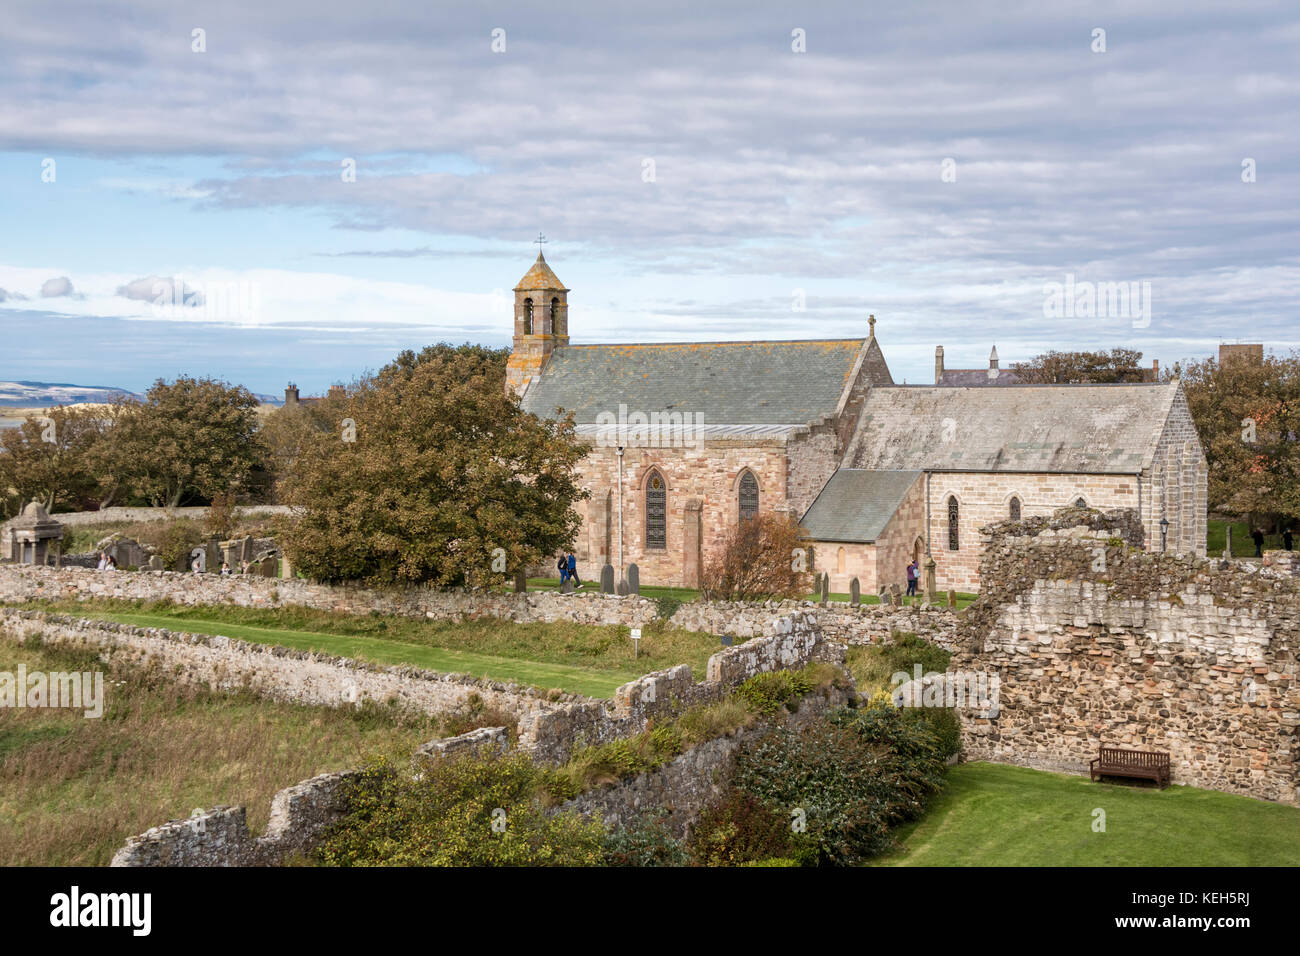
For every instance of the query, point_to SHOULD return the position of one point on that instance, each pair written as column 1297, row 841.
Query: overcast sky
column 697, row 176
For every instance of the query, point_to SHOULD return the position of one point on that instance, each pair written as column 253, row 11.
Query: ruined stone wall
column 1097, row 642
column 106, row 515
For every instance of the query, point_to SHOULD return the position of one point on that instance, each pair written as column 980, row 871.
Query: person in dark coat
column 563, row 565
column 1287, row 539
column 573, row 569
column 1258, row 537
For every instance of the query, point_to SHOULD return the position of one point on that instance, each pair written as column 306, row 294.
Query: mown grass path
column 577, row 680
column 997, row 815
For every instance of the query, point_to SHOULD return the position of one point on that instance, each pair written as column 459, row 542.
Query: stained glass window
column 656, row 512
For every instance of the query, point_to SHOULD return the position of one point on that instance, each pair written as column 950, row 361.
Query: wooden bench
column 1141, row 764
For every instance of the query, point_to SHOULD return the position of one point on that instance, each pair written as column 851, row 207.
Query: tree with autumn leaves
column 432, row 474
column 1247, row 414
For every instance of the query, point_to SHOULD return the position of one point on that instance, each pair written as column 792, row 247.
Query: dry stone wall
column 1096, row 642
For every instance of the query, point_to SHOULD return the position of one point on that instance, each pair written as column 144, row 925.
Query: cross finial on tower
column 871, row 321
column 540, row 241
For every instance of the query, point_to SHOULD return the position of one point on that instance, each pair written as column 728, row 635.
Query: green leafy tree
column 1247, row 414
column 1066, row 368
column 190, row 437
column 431, row 469
column 50, row 458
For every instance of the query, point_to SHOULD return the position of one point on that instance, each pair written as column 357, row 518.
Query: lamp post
column 1164, row 533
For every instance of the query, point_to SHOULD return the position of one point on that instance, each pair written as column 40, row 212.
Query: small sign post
column 636, row 642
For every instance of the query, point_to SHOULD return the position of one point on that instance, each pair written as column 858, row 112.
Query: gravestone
column 895, row 595
column 952, row 598
column 855, row 592
column 607, row 579
column 566, row 586
column 268, row 566
column 633, row 579
column 246, row 549
column 286, row 569
column 1227, row 543
column 884, row 596
column 521, row 581
column 214, row 559
column 155, row 563
column 931, row 587
column 826, row 586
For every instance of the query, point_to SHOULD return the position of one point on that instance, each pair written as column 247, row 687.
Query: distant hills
column 45, row 394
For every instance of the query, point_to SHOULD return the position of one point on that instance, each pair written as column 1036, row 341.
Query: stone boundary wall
column 842, row 623
column 279, row 673
column 691, row 781
column 106, row 515
column 300, row 815
column 1096, row 642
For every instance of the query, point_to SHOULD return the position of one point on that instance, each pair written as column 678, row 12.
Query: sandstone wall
column 1096, row 642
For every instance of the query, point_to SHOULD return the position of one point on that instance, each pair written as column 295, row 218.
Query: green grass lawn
column 1242, row 545
column 580, row 659
column 998, row 815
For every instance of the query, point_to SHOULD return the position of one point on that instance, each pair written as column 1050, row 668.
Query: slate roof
column 1065, row 429
column 735, row 383
column 978, row 377
column 855, row 505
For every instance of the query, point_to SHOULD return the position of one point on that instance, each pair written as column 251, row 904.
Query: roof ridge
column 592, row 345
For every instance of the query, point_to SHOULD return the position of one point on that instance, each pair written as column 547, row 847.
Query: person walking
column 563, row 565
column 573, row 569
column 1287, row 540
column 913, row 572
column 1258, row 537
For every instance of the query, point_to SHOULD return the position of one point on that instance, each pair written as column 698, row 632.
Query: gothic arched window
column 656, row 512
column 952, row 523
column 555, row 315
column 841, row 561
column 1014, row 509
column 748, row 496
column 1080, row 503
column 528, row 316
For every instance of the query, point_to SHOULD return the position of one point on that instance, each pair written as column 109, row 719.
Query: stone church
column 689, row 439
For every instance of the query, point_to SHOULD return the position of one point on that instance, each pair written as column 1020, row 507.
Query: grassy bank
column 997, row 815
column 577, row 658
column 73, row 789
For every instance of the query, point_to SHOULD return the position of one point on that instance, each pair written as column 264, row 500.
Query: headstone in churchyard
column 246, row 549
column 884, row 595
column 566, row 586
column 931, row 587
column 607, row 579
column 952, row 598
column 286, row 569
column 895, row 595
column 855, row 592
column 633, row 579
column 521, row 581
column 268, row 566
column 214, row 558
column 155, row 563
column 622, row 586
column 1227, row 543
column 826, row 586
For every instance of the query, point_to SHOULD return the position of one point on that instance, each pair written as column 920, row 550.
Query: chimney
column 291, row 394
column 938, row 365
column 336, row 391
column 1155, row 370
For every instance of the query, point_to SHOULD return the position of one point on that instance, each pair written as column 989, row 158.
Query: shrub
column 667, row 606
column 646, row 842
column 447, row 817
column 740, row 828
column 171, row 540
column 755, row 564
column 854, row 776
column 768, row 692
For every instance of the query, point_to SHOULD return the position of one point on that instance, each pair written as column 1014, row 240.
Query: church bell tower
column 541, row 323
